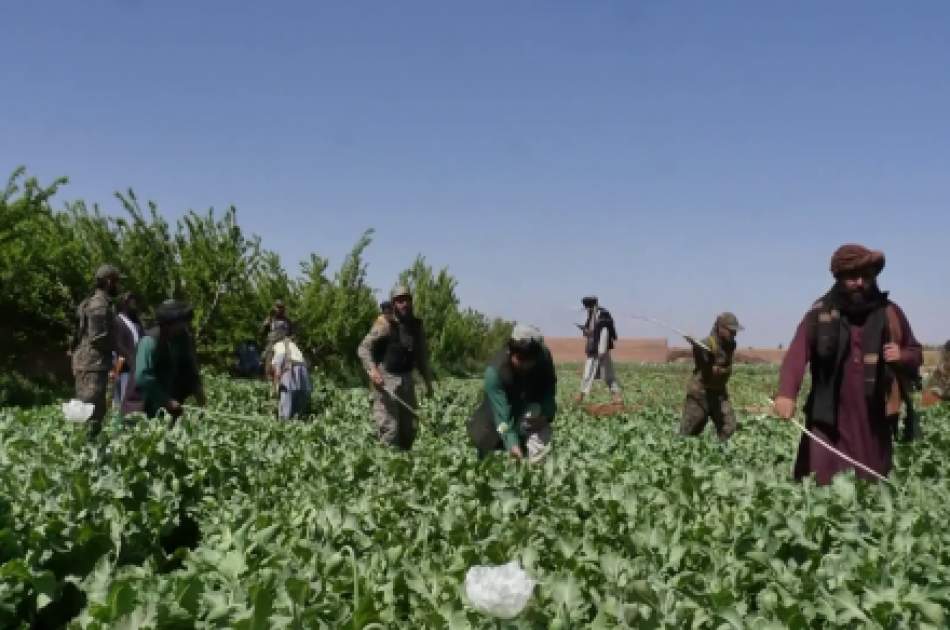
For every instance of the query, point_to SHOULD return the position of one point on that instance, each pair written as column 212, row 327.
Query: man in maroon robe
column 857, row 344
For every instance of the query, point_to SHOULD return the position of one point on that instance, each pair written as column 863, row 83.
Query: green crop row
column 234, row 520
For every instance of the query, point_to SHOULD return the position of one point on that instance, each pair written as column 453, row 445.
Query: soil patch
column 609, row 409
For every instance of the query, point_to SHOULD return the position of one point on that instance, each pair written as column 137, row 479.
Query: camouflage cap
column 107, row 271
column 730, row 321
column 400, row 290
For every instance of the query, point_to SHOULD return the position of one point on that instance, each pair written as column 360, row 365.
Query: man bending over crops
column 166, row 370
column 277, row 325
column 393, row 348
column 518, row 407
column 600, row 334
column 938, row 385
column 291, row 379
column 94, row 344
column 860, row 347
column 706, row 394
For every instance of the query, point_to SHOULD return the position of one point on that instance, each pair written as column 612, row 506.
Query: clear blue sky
column 677, row 158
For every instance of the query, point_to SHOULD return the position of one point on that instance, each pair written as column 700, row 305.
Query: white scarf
column 132, row 328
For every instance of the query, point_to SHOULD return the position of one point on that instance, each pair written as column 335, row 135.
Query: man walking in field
column 858, row 345
column 707, row 396
column 95, row 343
column 166, row 369
column 600, row 335
column 393, row 348
column 519, row 405
column 938, row 385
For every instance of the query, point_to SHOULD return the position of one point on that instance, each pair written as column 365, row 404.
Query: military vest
column 604, row 320
column 396, row 352
column 830, row 333
column 722, row 358
column 522, row 388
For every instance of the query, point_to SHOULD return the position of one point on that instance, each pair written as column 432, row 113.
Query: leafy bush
column 334, row 315
column 48, row 257
column 459, row 340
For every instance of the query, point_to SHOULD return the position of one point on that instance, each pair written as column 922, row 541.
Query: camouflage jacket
column 939, row 381
column 96, row 340
column 713, row 370
column 371, row 351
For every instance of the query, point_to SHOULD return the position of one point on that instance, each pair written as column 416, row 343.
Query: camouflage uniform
column 939, row 382
column 395, row 425
column 706, row 394
column 92, row 358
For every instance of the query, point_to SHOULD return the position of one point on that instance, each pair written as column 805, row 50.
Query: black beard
column 858, row 297
column 524, row 367
column 856, row 304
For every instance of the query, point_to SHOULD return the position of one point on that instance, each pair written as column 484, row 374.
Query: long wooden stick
column 831, row 448
column 392, row 394
column 679, row 332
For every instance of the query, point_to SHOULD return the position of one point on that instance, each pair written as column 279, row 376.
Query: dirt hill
column 571, row 350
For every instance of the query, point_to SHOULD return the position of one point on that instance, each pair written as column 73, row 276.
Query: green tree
column 333, row 315
column 148, row 253
column 459, row 340
column 216, row 263
column 38, row 272
column 48, row 257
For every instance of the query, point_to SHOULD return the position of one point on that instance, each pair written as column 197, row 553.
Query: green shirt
column 509, row 395
column 165, row 370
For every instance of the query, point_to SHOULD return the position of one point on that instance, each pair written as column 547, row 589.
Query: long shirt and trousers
column 396, row 348
column 294, row 386
column 128, row 332
column 499, row 422
column 165, row 369
column 600, row 340
column 853, row 404
column 274, row 329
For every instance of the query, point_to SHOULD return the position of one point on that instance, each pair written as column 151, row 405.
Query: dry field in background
column 646, row 350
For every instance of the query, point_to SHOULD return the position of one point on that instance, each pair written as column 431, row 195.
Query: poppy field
column 234, row 520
